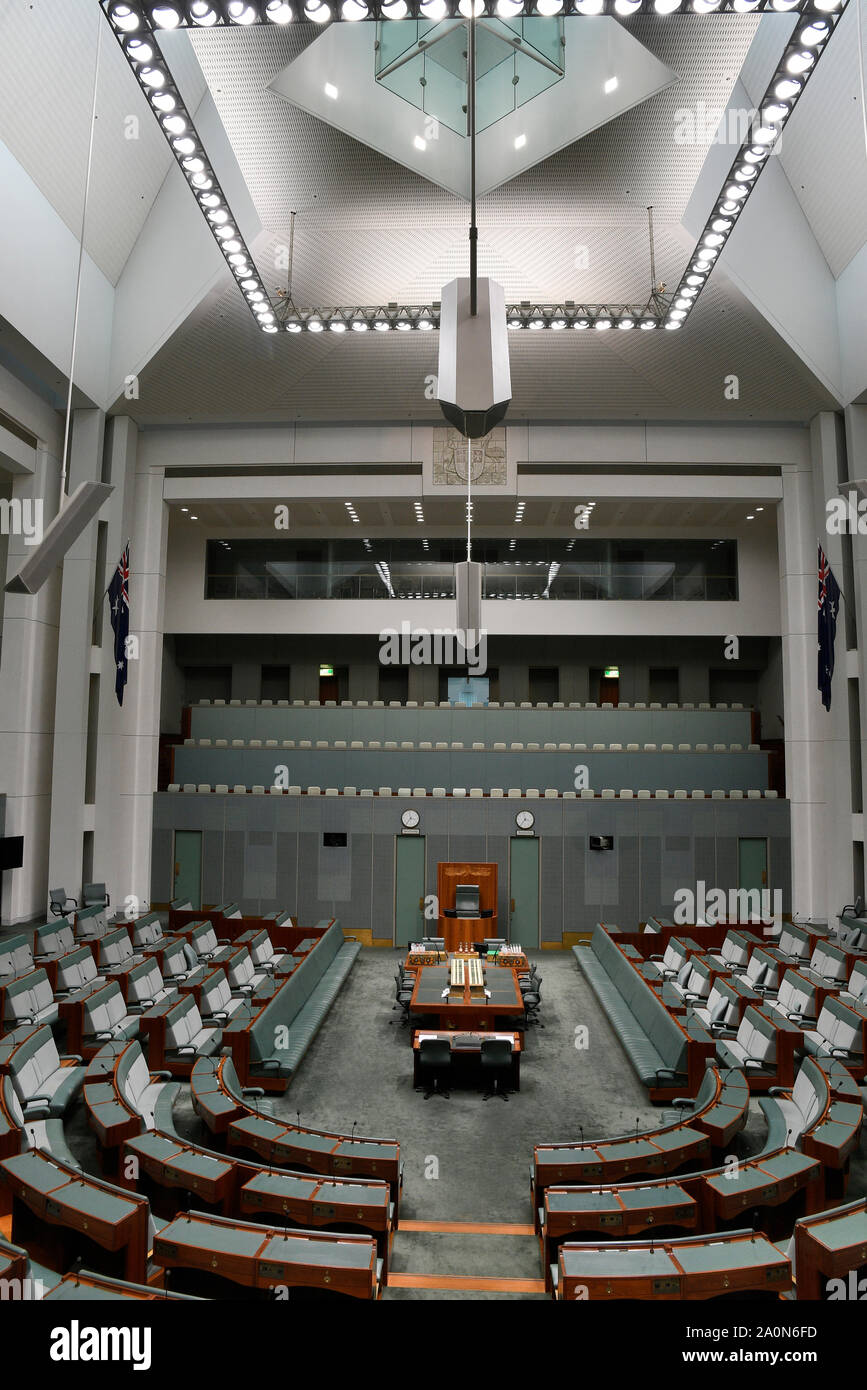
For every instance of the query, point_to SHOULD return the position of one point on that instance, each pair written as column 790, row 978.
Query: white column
column 856, row 446
column 70, row 818
column 804, row 732
column 825, row 447
column 128, row 743
column 27, row 690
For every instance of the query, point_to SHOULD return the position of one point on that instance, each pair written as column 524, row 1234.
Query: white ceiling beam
column 773, row 258
column 175, row 262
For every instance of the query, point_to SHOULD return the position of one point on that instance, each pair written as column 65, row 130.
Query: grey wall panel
column 576, row 913
column 471, row 725
column 162, row 878
column 576, row 892
column 234, row 855
column 650, row 867
column 212, row 866
column 549, row 830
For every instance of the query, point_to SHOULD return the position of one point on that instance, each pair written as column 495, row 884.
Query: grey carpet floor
column 466, row 1159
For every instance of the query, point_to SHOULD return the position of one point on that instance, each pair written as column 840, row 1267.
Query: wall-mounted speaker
column 601, row 841
column 60, row 534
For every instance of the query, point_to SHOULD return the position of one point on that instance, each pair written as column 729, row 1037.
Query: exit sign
column 326, row 670
column 612, row 672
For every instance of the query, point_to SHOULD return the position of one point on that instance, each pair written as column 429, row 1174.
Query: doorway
column 188, row 867
column 409, row 919
column 524, row 890
column 609, row 690
column 752, row 863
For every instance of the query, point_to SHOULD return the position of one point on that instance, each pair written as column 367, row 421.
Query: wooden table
column 471, row 1048
column 464, row 1012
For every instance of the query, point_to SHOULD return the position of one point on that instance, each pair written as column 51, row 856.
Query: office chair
column 59, row 902
column 532, row 1002
column 94, row 895
column 496, row 1057
column 435, row 1056
column 402, row 996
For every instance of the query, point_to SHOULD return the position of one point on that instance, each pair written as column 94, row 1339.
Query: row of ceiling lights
column 204, row 14
column 798, row 60
column 155, row 80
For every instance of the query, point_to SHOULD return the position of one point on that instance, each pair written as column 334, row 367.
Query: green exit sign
column 326, row 670
column 612, row 672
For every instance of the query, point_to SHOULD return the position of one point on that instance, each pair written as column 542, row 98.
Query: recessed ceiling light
column 193, row 518
column 185, row 509
column 331, row 91
column 750, row 517
column 760, row 509
column 611, row 85
column 520, row 141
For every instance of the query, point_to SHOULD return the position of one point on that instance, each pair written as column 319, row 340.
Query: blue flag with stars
column 829, row 607
column 118, row 597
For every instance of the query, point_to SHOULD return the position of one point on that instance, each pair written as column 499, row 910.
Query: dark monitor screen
column 334, row 839
column 11, row 852
column 467, row 900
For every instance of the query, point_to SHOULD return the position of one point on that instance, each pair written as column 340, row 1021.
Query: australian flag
column 829, row 606
column 118, row 597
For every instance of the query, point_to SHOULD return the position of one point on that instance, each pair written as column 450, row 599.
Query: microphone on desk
column 352, row 1134
column 581, row 1127
column 788, row 1137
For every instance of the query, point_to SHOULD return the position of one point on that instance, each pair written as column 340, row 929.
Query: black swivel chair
column 496, row 1058
column 402, row 996
column 60, row 903
column 532, row 999
column 435, row 1057
column 94, row 895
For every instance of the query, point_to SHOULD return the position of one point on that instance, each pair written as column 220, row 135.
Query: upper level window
column 562, row 568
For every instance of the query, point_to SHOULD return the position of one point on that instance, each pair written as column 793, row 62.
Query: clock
column 525, row 820
column 409, row 819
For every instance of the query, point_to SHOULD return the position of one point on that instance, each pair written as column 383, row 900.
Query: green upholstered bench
column 123, row 1097
column 763, row 1047
column 817, row 1115
column 41, row 1078
column 840, row 1032
column 16, row 956
column 666, row 1055
column 217, row 1094
column 27, row 999
column 300, row 1006
column 37, row 1129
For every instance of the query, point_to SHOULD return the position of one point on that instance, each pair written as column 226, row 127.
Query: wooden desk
column 289, row 1146
column 471, row 1048
column 829, row 1246
column 695, row 1268
column 264, row 1258
column 468, row 1015
column 60, row 1196
column 612, row 1160
column 624, row 1212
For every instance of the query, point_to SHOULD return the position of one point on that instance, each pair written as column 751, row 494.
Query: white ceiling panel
column 48, row 54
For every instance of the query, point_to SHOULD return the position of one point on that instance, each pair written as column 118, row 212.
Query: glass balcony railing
column 610, row 586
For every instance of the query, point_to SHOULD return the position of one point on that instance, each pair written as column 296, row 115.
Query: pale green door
column 409, row 920
column 753, row 863
column 524, row 891
column 188, row 866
